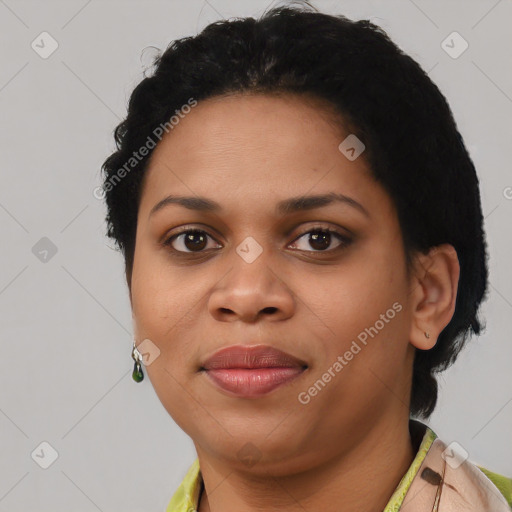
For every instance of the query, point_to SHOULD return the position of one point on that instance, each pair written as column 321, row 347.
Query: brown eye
column 192, row 240
column 320, row 240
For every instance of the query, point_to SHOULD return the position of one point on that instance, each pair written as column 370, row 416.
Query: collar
column 432, row 483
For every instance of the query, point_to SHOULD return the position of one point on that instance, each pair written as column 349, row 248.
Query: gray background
column 66, row 332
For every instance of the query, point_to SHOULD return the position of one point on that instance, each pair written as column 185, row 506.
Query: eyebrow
column 287, row 206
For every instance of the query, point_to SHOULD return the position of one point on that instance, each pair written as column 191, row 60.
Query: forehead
column 244, row 123
column 261, row 148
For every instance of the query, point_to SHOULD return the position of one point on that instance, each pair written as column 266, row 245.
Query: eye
column 190, row 240
column 320, row 238
column 196, row 240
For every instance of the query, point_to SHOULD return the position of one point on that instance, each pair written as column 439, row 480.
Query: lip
column 249, row 357
column 251, row 371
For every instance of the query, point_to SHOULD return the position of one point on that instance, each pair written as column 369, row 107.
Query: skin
column 350, row 444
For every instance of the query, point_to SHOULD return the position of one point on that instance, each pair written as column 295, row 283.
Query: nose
column 251, row 291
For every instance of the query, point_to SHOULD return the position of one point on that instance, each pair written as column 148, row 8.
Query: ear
column 433, row 294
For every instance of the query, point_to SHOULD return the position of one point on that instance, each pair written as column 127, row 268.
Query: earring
column 137, row 374
column 427, row 335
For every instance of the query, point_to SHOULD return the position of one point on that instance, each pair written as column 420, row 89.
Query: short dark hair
column 413, row 146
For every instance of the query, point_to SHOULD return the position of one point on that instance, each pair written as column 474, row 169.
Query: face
column 326, row 284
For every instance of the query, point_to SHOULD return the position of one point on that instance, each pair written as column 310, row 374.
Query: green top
column 186, row 497
column 503, row 483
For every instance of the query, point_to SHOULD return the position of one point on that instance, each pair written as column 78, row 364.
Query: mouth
column 251, row 357
column 251, row 371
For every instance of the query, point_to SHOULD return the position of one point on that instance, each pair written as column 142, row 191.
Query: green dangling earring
column 137, row 374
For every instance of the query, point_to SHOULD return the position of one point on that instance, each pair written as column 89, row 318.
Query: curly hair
column 413, row 146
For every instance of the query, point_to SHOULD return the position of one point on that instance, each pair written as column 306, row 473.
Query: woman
column 304, row 248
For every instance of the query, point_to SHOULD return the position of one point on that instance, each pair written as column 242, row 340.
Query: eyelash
column 345, row 241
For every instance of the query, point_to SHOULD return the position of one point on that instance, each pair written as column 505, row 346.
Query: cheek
column 163, row 311
column 168, row 304
column 363, row 301
column 360, row 290
column 157, row 296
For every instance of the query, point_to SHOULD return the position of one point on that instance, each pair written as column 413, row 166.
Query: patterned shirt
column 186, row 497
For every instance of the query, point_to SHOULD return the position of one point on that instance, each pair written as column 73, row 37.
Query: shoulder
column 503, row 483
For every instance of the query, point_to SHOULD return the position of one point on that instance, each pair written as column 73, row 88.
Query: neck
column 363, row 478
